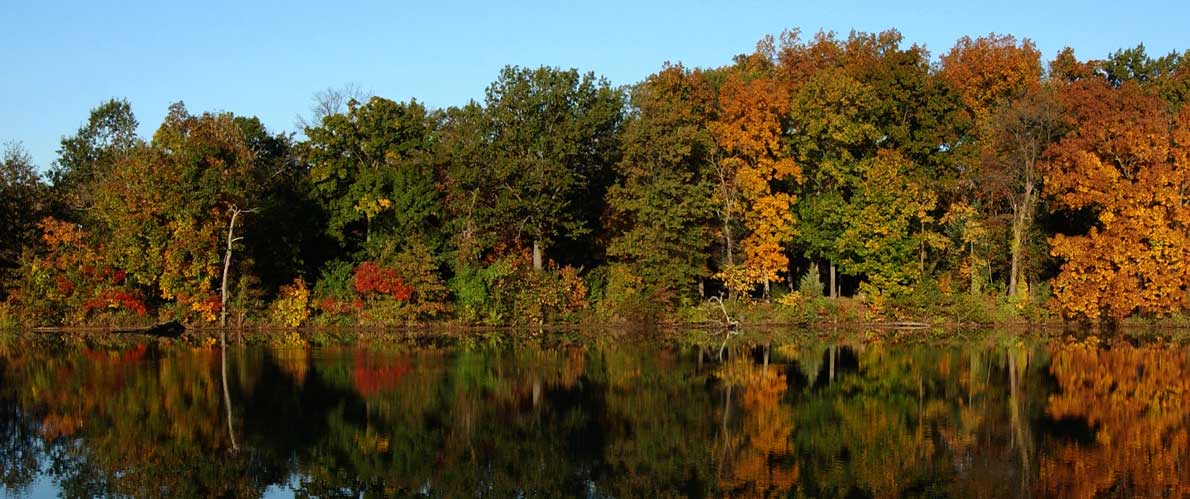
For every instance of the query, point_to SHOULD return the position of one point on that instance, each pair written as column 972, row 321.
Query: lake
column 598, row 415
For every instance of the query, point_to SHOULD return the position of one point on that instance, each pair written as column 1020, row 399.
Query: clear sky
column 267, row 58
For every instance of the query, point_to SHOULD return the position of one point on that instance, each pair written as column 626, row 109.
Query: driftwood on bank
column 170, row 329
column 902, row 325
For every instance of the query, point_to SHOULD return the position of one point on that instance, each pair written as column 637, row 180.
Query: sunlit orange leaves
column 1126, row 161
column 749, row 129
column 990, row 69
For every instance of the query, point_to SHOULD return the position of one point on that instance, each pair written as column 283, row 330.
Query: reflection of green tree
column 908, row 422
column 653, row 411
column 19, row 445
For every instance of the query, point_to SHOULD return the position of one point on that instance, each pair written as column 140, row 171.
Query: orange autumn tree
column 164, row 209
column 749, row 129
column 1126, row 160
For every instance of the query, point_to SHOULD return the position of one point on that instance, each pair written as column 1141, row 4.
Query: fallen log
column 902, row 325
column 170, row 329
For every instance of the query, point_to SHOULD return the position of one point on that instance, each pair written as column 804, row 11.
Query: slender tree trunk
column 921, row 255
column 1021, row 218
column 537, row 255
column 231, row 232
column 834, row 289
column 727, row 239
column 1020, row 429
column 1014, row 272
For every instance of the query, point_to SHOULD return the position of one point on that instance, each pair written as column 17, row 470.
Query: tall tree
column 884, row 237
column 660, row 205
column 1126, row 160
column 85, row 157
column 1015, row 136
column 999, row 82
column 552, row 140
column 832, row 131
column 22, row 204
column 851, row 99
column 165, row 208
column 371, row 171
column 749, row 127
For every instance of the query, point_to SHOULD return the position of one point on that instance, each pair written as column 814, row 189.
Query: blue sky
column 60, row 59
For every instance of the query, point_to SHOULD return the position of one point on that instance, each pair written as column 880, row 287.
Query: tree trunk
column 1021, row 218
column 1016, row 265
column 537, row 257
column 834, row 290
column 921, row 255
column 231, row 232
column 727, row 238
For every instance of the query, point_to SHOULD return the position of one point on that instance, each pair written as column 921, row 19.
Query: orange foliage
column 764, row 462
column 750, row 130
column 991, row 69
column 1126, row 163
column 1137, row 401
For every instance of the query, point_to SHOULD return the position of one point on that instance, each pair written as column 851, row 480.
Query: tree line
column 812, row 167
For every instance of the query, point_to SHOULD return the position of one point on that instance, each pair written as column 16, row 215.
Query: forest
column 814, row 177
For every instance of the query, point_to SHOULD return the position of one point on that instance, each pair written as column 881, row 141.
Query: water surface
column 855, row 416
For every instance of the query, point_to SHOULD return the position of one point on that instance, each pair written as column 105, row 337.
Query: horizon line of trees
column 986, row 173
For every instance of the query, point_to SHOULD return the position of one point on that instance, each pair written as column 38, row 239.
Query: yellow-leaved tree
column 1127, row 162
column 753, row 105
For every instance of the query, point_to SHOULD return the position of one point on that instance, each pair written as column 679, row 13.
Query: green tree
column 552, row 139
column 85, row 157
column 884, row 237
column 22, row 204
column 660, row 205
column 370, row 171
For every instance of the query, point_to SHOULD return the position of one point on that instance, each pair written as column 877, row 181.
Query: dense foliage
column 984, row 176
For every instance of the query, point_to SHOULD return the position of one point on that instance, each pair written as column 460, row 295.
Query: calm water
column 854, row 416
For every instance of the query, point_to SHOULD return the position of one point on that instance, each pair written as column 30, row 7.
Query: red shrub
column 371, row 278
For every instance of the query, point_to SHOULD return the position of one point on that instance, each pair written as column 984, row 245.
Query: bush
column 292, row 306
column 509, row 291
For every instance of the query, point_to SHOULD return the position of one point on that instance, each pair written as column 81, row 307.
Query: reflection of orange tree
column 1137, row 401
column 124, row 427
column 293, row 361
column 761, row 463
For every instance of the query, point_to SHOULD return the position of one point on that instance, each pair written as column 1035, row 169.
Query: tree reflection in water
column 1135, row 400
column 856, row 416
